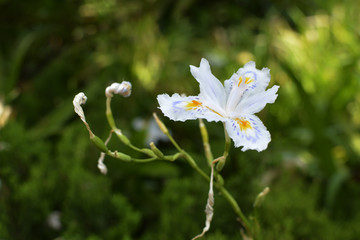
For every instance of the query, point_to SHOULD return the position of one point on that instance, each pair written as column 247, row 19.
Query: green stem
column 218, row 185
column 143, row 160
column 118, row 132
column 245, row 222
column 189, row 159
column 227, row 143
column 109, row 114
column 235, row 207
column 172, row 140
column 127, row 158
column 206, row 145
column 195, row 166
column 222, row 160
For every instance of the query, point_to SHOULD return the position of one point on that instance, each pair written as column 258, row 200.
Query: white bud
column 124, row 89
column 80, row 99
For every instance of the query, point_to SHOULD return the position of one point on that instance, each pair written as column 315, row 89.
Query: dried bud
column 124, row 89
column 209, row 210
column 101, row 165
column 79, row 100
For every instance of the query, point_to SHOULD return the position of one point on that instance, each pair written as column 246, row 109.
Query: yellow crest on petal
column 193, row 105
column 247, row 80
column 243, row 124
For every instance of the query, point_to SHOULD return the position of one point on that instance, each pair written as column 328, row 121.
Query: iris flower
column 233, row 103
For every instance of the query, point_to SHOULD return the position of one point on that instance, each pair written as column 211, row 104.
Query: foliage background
column 51, row 50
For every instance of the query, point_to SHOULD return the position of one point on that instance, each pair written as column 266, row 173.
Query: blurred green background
column 51, row 50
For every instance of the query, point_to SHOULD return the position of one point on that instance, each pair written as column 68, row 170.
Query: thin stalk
column 205, row 138
column 227, row 143
column 109, row 114
column 235, row 207
column 201, row 172
column 222, row 160
column 189, row 159
column 118, row 132
column 143, row 160
column 218, row 185
column 127, row 158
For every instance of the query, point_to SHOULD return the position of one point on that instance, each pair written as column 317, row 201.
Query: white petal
column 261, row 78
column 179, row 108
column 229, row 83
column 248, row 131
column 238, row 86
column 211, row 89
column 255, row 103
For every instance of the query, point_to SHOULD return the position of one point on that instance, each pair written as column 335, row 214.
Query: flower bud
column 261, row 196
column 99, row 143
column 173, row 157
column 124, row 89
column 120, row 156
column 203, row 131
column 147, row 151
column 155, row 150
column 221, row 163
column 122, row 137
column 161, row 125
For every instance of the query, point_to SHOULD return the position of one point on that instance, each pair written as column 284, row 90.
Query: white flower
column 233, row 103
